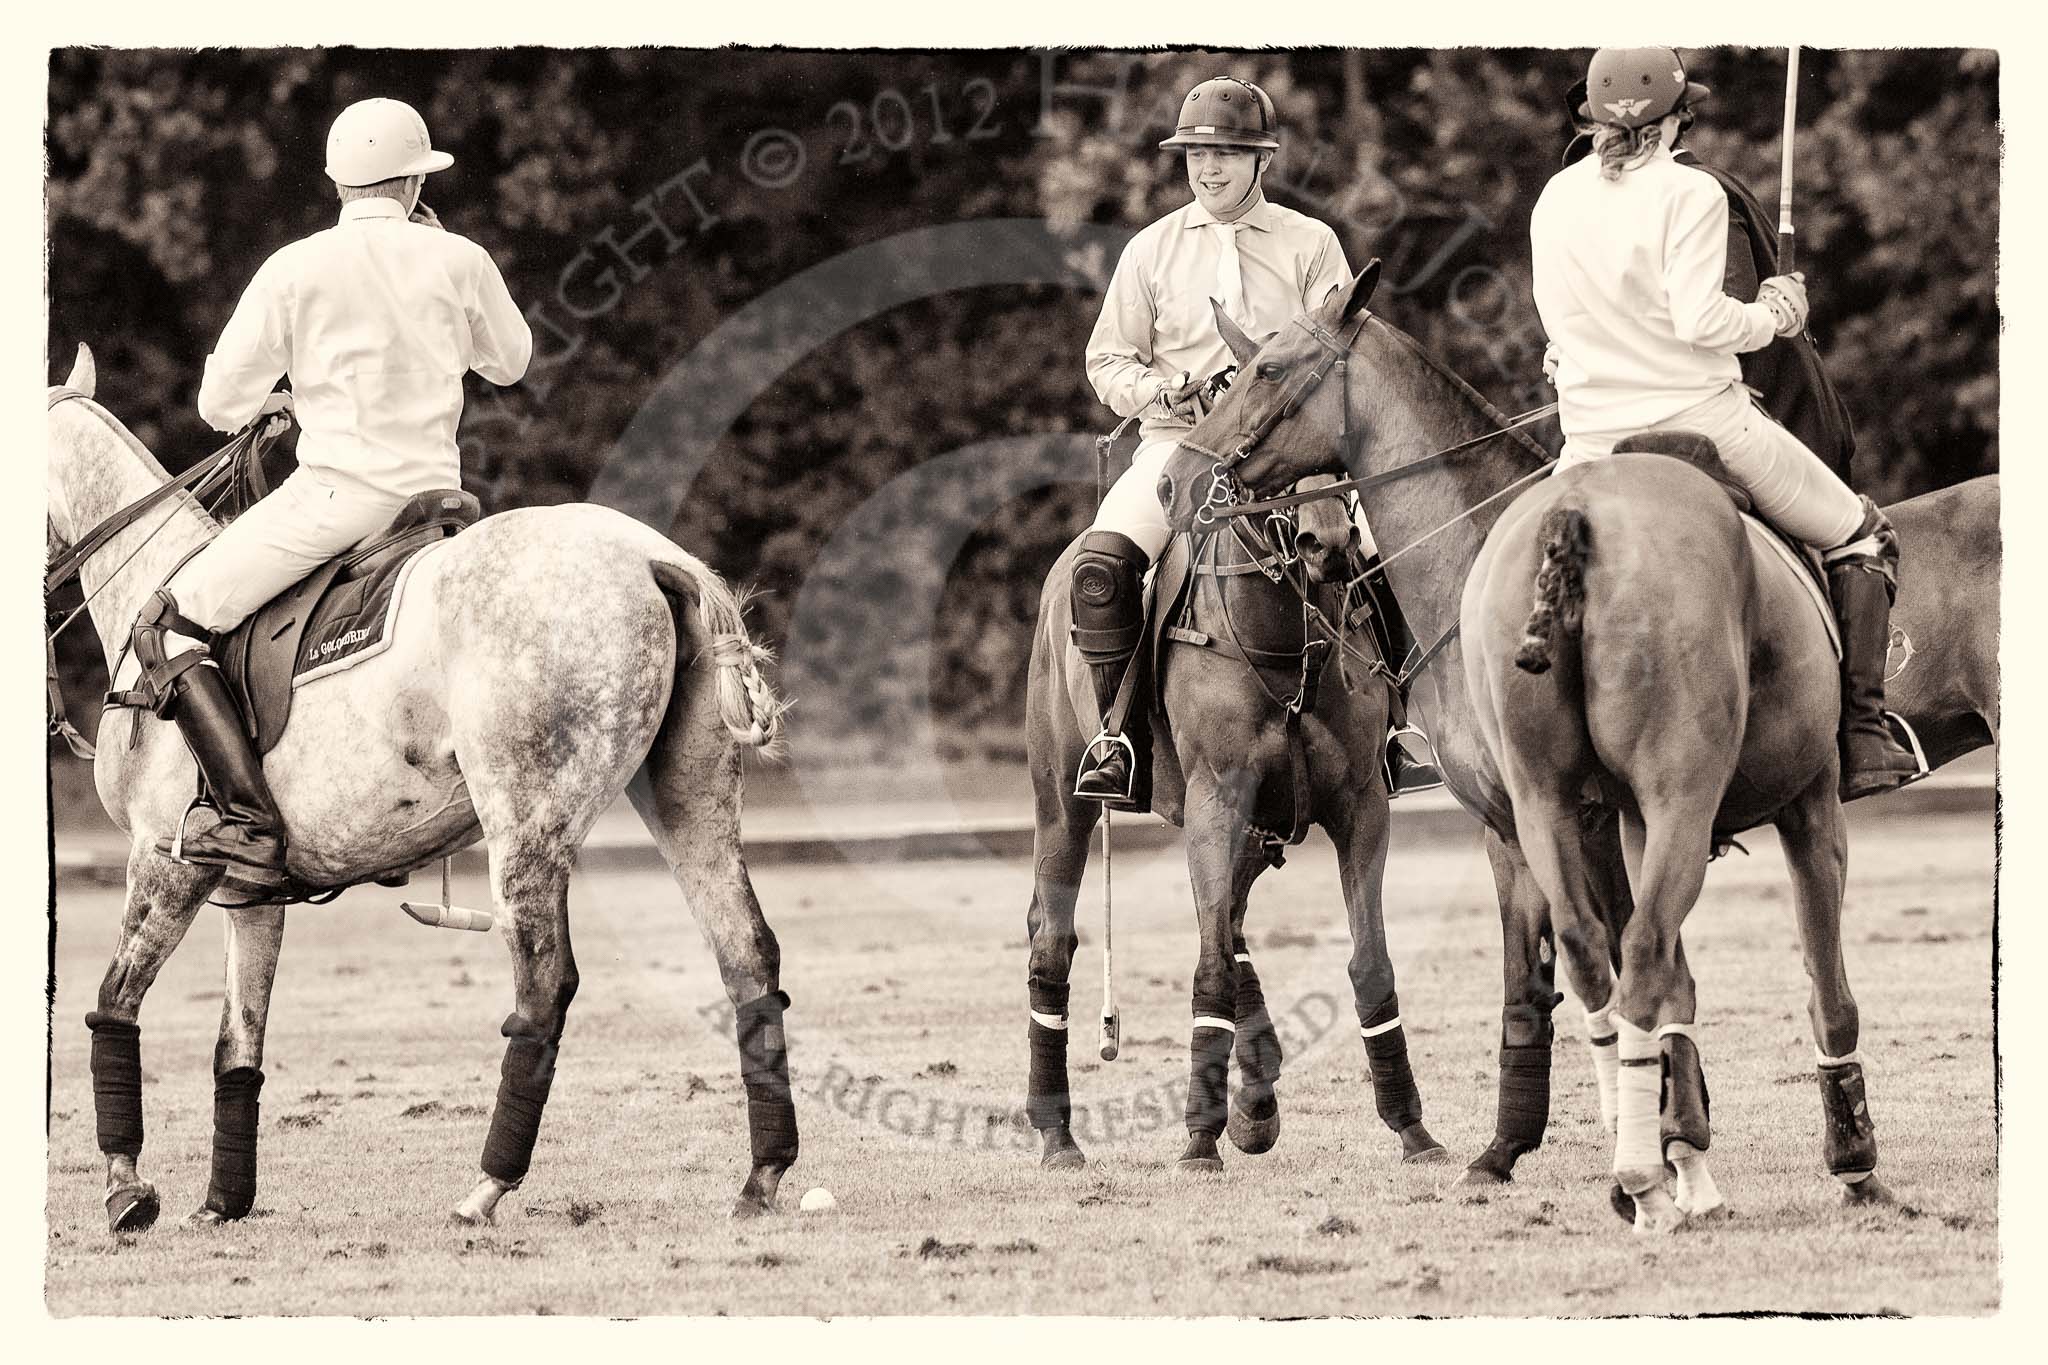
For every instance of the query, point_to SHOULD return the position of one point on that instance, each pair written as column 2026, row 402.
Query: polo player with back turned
column 1155, row 349
column 1630, row 251
column 375, row 321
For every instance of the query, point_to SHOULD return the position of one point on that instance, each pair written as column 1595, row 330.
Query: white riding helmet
column 380, row 139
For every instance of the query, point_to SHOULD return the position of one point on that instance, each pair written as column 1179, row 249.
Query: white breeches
column 1133, row 509
column 1791, row 487
column 307, row 520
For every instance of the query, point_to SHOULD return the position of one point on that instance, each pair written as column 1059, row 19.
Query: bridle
column 1228, row 497
column 236, row 467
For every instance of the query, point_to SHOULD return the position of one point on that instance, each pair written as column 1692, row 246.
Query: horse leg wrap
column 1208, row 1079
column 764, row 1069
column 1850, row 1143
column 1257, row 1045
column 116, row 1084
column 232, row 1191
column 1638, row 1090
column 1684, row 1104
column 523, row 1084
column 1386, row 1053
column 1047, row 1101
column 1524, row 1107
column 1602, row 1043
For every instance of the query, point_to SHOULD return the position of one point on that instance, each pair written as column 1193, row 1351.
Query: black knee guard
column 524, row 1080
column 1208, row 1080
column 1683, row 1105
column 1524, row 1109
column 1257, row 1045
column 1107, row 598
column 116, row 1084
column 232, row 1190
column 764, row 1070
column 1394, row 1092
column 1047, row 1101
column 1850, row 1142
column 160, row 616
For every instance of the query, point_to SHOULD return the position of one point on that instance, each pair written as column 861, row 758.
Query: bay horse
column 1438, row 465
column 1220, row 728
column 539, row 661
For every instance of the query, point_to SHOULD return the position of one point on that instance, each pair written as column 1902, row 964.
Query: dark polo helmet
column 1224, row 111
column 1635, row 86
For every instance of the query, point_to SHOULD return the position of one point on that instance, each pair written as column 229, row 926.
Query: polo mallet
column 1785, row 252
column 448, row 915
column 1112, row 1023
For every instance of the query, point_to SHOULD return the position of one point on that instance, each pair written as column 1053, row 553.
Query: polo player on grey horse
column 1153, row 354
column 375, row 321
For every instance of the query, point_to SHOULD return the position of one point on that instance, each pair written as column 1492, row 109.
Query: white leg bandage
column 1601, row 1042
column 1638, row 1142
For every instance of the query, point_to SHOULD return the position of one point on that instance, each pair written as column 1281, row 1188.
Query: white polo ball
column 818, row 1200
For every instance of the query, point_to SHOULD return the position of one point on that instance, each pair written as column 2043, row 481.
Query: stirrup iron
column 1088, row 754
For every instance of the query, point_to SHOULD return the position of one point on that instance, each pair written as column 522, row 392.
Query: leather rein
column 236, row 465
column 1227, row 496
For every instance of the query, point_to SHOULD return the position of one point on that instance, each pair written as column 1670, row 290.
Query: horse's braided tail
column 1560, row 587
column 747, row 703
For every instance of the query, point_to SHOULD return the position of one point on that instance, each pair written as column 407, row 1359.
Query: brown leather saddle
column 340, row 609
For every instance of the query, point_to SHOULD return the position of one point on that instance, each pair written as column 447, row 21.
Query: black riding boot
column 190, row 692
column 1872, row 761
column 1109, row 618
column 1405, row 772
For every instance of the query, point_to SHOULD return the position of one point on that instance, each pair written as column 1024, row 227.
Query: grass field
column 907, row 1039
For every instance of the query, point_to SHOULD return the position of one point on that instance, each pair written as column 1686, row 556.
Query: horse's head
column 1324, row 536
column 1281, row 419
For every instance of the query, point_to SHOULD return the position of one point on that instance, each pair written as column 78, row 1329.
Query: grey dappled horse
column 1220, row 733
column 539, row 661
column 1518, row 750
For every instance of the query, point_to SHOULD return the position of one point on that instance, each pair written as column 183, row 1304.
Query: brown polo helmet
column 1224, row 111
column 1635, row 86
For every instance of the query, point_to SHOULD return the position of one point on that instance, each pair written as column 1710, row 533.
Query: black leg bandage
column 523, row 1084
column 1850, row 1142
column 1257, row 1046
column 232, row 1191
column 1208, row 1080
column 1047, row 1101
column 1684, row 1103
column 1394, row 1093
column 1525, row 1037
column 116, row 1084
column 764, row 1069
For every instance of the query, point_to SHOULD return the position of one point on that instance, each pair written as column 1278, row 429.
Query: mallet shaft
column 1786, row 252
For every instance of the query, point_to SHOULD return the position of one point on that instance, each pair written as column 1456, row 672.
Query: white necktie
column 1230, row 273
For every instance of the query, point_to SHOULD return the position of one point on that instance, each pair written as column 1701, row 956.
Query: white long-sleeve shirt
column 1628, row 281
column 1156, row 323
column 376, row 320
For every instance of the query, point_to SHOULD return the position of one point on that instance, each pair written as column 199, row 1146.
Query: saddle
column 1690, row 447
column 337, row 616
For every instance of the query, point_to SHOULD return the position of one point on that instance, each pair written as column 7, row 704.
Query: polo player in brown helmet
column 1630, row 251
column 1155, row 351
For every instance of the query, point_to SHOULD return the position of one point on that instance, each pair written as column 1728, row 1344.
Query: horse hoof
column 133, row 1208
column 748, row 1207
column 1253, row 1136
column 1869, row 1192
column 467, row 1218
column 1200, row 1155
column 1418, row 1148
column 1476, row 1174
column 1426, row 1156
column 1653, row 1213
column 205, row 1216
column 1061, row 1152
column 1200, row 1165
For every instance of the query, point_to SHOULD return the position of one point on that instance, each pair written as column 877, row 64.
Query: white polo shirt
column 1156, row 323
column 376, row 320
column 1628, row 281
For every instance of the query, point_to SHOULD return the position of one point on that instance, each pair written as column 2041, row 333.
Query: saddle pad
column 352, row 623
column 1806, row 567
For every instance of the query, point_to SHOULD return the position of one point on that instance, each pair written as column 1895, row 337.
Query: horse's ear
column 83, row 376
column 1242, row 347
column 1361, row 290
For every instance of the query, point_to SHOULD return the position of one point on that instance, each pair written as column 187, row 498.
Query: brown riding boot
column 1109, row 618
column 190, row 692
column 1860, row 587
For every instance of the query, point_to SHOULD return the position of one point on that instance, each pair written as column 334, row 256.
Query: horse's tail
column 1560, row 587
column 747, row 703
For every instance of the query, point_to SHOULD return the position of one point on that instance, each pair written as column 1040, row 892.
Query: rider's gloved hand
column 1785, row 296
column 1550, row 362
column 1184, row 400
column 277, row 405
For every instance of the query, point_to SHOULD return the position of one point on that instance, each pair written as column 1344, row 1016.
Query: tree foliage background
column 172, row 174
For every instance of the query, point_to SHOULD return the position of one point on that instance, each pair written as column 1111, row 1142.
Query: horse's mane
column 1457, row 385
column 142, row 452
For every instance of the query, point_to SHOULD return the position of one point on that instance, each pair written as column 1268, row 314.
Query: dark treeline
column 657, row 212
